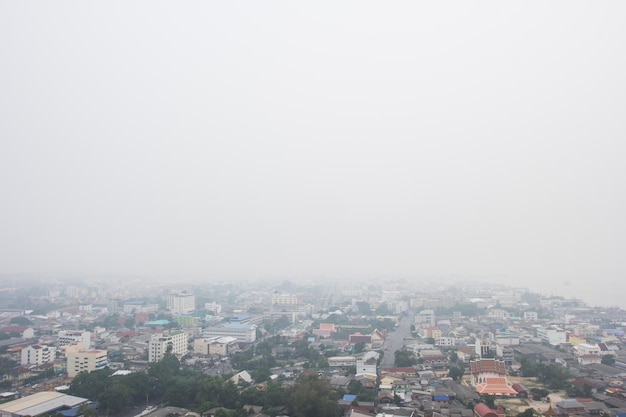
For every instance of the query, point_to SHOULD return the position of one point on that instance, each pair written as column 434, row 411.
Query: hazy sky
column 321, row 138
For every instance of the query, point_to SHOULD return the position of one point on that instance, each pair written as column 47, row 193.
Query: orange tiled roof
column 497, row 386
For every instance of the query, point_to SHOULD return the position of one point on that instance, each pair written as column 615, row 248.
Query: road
column 395, row 341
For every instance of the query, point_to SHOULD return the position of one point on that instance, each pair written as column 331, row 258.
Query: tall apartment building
column 37, row 355
column 159, row 344
column 79, row 360
column 181, row 303
column 285, row 299
column 74, row 337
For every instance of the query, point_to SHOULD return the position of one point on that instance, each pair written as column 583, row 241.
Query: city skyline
column 246, row 141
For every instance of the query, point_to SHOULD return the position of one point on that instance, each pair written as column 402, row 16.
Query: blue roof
column 349, row 397
column 441, row 398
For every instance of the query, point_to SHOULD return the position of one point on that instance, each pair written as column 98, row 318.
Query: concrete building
column 82, row 338
column 368, row 363
column 181, row 303
column 587, row 349
column 242, row 332
column 285, row 299
column 214, row 308
column 446, row 341
column 551, row 335
column 134, row 307
column 425, row 318
column 216, row 346
column 530, row 316
column 79, row 360
column 159, row 345
column 37, row 355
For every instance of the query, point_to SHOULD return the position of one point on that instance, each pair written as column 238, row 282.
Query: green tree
column 313, row 397
column 489, row 400
column 539, row 393
column 529, row 412
column 114, row 398
column 456, row 372
column 554, row 376
column 404, row 359
column 88, row 411
column 21, row 321
column 608, row 360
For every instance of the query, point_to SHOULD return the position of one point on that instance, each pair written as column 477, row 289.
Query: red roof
column 490, row 366
column 483, row 410
column 497, row 386
column 17, row 329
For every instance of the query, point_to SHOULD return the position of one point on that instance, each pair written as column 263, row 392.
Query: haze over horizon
column 250, row 139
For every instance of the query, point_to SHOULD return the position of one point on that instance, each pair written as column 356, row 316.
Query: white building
column 242, row 332
column 552, row 336
column 133, row 307
column 214, row 308
column 217, row 346
column 446, row 341
column 79, row 360
column 530, row 316
column 37, row 355
column 367, row 364
column 285, row 299
column 499, row 314
column 159, row 345
column 587, row 349
column 82, row 338
column 425, row 317
column 341, row 361
column 182, row 303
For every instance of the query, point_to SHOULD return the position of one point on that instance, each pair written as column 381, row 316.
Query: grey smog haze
column 316, row 139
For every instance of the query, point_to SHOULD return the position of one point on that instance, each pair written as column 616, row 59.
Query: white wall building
column 182, row 303
column 425, row 317
column 242, row 332
column 214, row 308
column 159, row 344
column 552, row 336
column 82, row 338
column 368, row 364
column 217, row 346
column 37, row 355
column 79, row 360
column 587, row 349
column 531, row 316
column 285, row 299
column 446, row 341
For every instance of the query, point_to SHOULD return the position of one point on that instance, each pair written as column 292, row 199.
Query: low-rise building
column 217, row 346
column 41, row 404
column 242, row 332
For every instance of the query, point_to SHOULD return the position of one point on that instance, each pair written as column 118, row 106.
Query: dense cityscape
column 336, row 348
